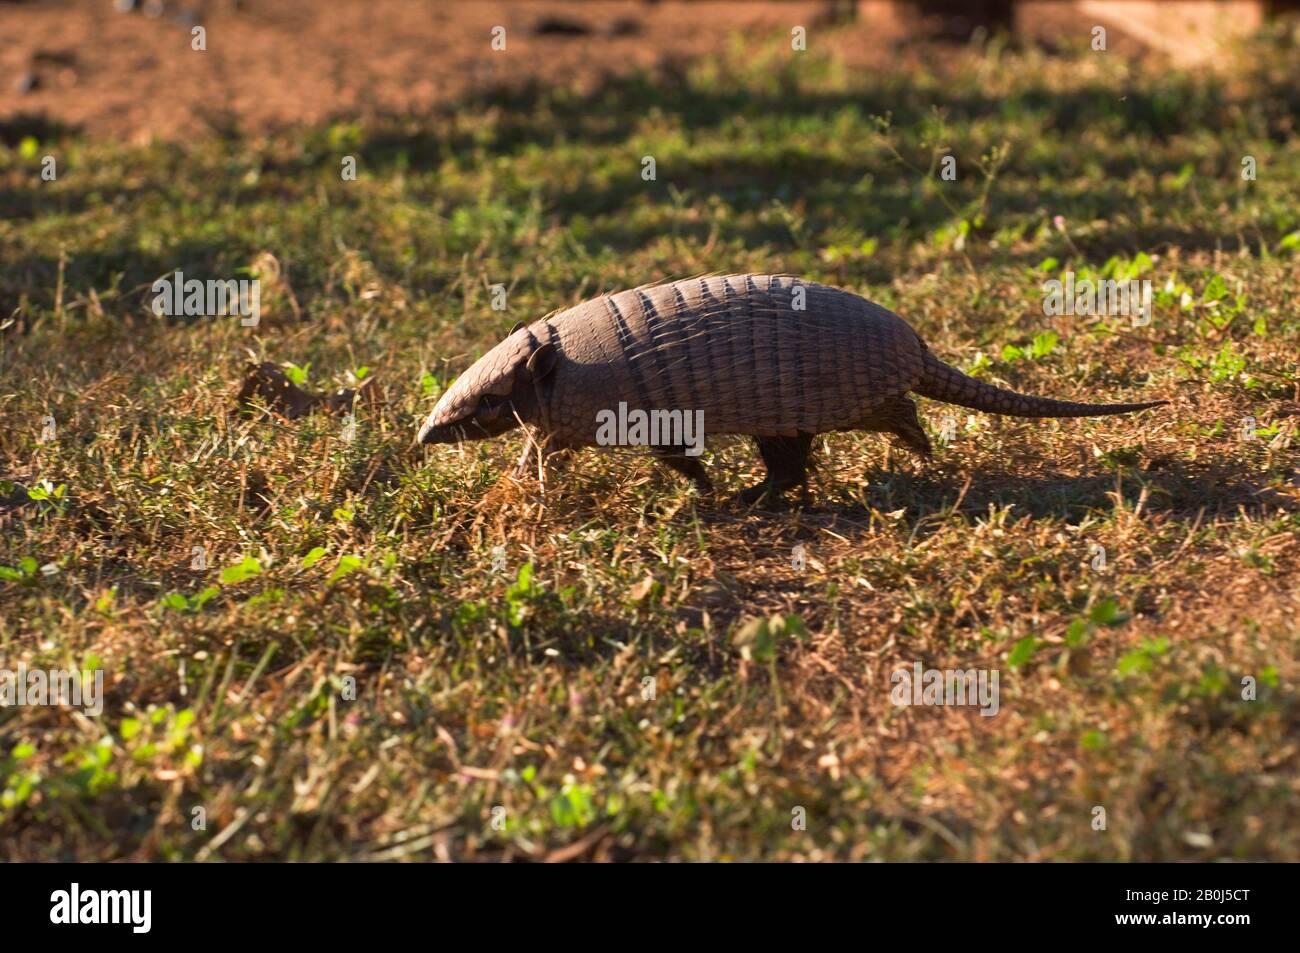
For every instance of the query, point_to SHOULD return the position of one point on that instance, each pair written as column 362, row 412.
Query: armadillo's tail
column 945, row 383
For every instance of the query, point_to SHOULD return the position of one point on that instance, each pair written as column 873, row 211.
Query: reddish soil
column 269, row 64
column 273, row 63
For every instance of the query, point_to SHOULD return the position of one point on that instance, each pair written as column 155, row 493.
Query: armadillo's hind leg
column 904, row 424
column 787, row 460
column 690, row 467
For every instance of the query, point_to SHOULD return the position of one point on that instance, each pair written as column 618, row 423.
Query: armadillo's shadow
column 1179, row 488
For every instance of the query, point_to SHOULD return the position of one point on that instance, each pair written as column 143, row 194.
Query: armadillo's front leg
column 690, row 467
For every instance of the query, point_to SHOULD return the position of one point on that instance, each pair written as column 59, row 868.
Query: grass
column 402, row 655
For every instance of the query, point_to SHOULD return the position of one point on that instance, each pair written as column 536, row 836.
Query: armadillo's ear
column 542, row 361
column 518, row 325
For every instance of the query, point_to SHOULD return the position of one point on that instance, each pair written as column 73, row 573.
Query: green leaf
column 573, row 807
column 313, row 557
column 1107, row 612
column 199, row 601
column 1093, row 741
column 795, row 628
column 105, row 601
column 1077, row 633
column 756, row 640
column 1227, row 363
column 1044, row 344
column 345, row 565
column 1216, row 290
column 297, row 374
column 1022, row 652
column 246, row 568
column 174, row 600
column 1132, row 663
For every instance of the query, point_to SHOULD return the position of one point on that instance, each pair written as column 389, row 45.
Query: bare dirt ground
column 84, row 66
column 275, row 63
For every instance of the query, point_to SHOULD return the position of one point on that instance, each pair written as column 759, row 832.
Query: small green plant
column 297, row 374
column 26, row 569
column 574, row 805
column 49, row 494
column 758, row 639
column 162, row 733
column 178, row 602
column 1227, row 364
column 316, row 554
column 1143, row 658
column 246, row 568
column 18, row 781
column 1218, row 306
column 1022, row 652
column 345, row 566
column 1103, row 613
column 522, row 596
column 1042, row 345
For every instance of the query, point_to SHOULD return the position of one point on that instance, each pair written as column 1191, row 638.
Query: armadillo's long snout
column 444, row 433
column 428, row 433
column 446, row 422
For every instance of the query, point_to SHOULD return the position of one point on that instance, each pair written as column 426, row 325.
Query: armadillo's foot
column 787, row 460
column 766, row 493
column 675, row 458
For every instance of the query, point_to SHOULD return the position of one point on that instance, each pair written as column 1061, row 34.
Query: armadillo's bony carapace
column 778, row 358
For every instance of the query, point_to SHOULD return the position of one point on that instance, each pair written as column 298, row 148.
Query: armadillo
column 777, row 358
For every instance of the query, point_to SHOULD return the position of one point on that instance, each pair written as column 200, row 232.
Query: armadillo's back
column 759, row 354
